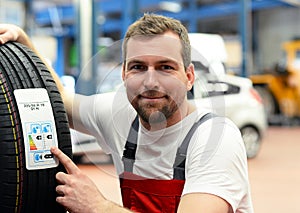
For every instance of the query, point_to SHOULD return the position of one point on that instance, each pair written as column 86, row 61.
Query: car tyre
column 25, row 190
column 252, row 140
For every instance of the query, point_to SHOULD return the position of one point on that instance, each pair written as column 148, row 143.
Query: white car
column 235, row 98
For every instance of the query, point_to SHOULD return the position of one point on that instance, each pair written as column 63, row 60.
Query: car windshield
column 109, row 77
column 109, row 68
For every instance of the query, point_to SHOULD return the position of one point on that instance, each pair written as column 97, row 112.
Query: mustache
column 153, row 94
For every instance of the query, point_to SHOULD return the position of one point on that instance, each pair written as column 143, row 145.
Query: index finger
column 65, row 160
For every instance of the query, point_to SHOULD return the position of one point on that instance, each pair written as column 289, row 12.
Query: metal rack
column 62, row 18
column 118, row 14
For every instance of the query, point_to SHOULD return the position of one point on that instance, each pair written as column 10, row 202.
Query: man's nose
column 151, row 80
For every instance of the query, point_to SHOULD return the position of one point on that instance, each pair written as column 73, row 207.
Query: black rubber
column 22, row 190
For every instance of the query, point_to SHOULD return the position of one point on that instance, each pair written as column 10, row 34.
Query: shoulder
column 216, row 161
column 217, row 138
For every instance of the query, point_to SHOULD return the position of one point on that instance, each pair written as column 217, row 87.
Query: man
column 165, row 161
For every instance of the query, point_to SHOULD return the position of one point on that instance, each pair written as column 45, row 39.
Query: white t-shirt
column 216, row 161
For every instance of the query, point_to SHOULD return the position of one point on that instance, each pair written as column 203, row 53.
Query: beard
column 155, row 116
column 154, row 113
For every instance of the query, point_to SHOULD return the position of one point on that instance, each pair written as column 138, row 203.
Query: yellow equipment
column 280, row 88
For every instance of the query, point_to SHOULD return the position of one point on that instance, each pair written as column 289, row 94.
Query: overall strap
column 179, row 164
column 130, row 146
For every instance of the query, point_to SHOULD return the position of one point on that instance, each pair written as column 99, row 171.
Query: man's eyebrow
column 163, row 61
column 135, row 61
column 167, row 61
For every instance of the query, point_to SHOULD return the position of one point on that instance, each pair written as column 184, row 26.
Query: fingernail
column 53, row 149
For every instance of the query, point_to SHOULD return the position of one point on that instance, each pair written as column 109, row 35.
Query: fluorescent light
column 170, row 6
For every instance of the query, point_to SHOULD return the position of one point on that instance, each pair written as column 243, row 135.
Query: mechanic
column 170, row 156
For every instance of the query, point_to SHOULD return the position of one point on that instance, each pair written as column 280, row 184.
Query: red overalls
column 150, row 195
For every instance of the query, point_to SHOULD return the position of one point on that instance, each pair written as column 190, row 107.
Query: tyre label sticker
column 38, row 125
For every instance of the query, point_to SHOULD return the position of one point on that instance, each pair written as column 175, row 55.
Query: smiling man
column 156, row 79
column 170, row 155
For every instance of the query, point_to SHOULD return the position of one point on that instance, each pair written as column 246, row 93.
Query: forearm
column 25, row 40
column 10, row 32
column 111, row 207
column 66, row 96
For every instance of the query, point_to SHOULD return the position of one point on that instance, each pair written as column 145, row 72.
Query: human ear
column 123, row 71
column 190, row 74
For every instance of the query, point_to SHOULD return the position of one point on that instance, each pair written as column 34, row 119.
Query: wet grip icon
column 40, row 139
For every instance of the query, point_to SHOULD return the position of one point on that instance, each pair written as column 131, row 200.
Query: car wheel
column 27, row 168
column 252, row 140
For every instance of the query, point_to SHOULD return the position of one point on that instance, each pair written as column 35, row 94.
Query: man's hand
column 10, row 32
column 76, row 191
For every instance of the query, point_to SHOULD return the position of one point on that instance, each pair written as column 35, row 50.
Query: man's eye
column 166, row 67
column 138, row 67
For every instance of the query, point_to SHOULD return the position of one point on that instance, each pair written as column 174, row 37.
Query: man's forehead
column 154, row 45
column 160, row 39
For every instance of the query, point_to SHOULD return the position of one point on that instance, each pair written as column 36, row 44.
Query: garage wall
column 12, row 12
column 274, row 27
column 46, row 46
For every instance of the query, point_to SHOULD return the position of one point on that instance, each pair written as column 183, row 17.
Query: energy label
column 38, row 125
